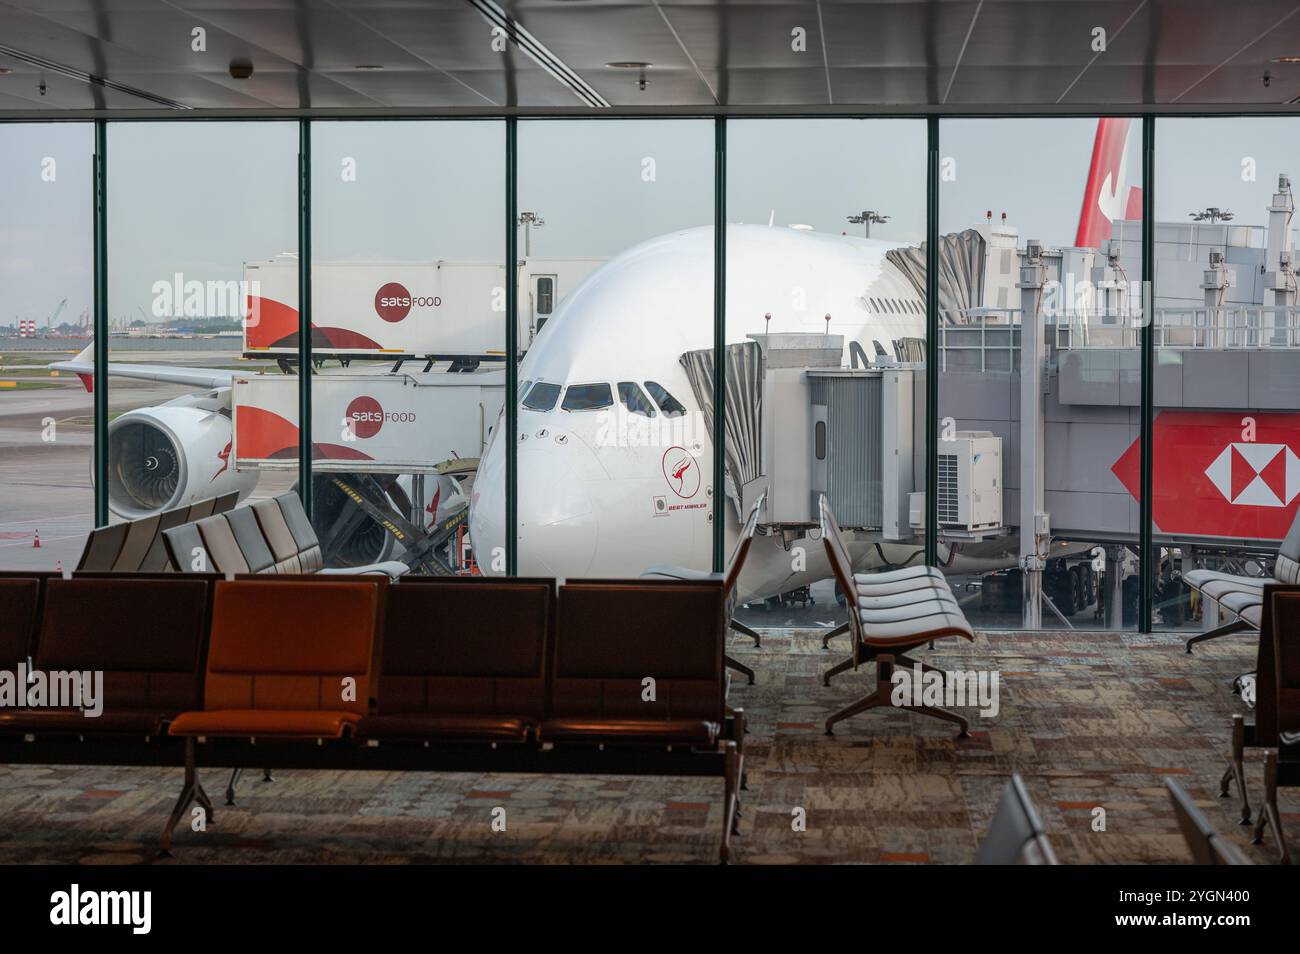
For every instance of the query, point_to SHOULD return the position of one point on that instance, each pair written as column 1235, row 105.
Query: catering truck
column 418, row 310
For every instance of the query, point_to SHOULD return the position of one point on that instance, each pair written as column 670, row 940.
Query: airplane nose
column 557, row 522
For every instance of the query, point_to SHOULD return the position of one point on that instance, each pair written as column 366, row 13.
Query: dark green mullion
column 512, row 345
column 304, row 314
column 99, row 385
column 719, row 342
column 932, row 341
column 1147, row 562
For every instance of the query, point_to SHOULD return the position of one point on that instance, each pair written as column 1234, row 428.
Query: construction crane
column 49, row 322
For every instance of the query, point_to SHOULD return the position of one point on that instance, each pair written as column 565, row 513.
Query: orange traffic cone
column 36, row 540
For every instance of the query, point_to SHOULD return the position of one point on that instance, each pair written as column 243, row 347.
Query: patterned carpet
column 1087, row 719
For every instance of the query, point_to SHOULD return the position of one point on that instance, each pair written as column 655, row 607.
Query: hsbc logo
column 393, row 302
column 365, row 417
column 1256, row 475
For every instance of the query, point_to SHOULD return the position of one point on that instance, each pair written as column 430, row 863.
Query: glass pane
column 826, row 222
column 1226, row 434
column 46, row 289
column 624, row 235
column 408, row 307
column 1037, row 505
column 199, row 214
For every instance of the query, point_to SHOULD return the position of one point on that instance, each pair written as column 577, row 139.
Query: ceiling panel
column 439, row 54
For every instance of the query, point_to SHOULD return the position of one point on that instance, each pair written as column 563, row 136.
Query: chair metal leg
column 881, row 696
column 837, row 631
column 230, row 786
column 1227, row 629
column 731, row 782
column 189, row 789
column 740, row 627
column 1270, row 816
column 266, row 775
column 1236, row 767
column 836, row 670
column 740, row 668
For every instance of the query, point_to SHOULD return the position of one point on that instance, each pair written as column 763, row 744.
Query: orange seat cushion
column 419, row 726
column 265, row 723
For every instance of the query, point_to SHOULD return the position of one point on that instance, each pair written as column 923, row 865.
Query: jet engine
column 170, row 456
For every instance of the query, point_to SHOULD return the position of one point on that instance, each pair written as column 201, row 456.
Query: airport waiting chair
column 1016, row 836
column 226, row 502
column 20, row 606
column 248, row 536
column 103, row 544
column 1207, row 845
column 284, row 548
column 730, row 577
column 886, row 635
column 157, row 560
column 308, row 544
column 288, row 661
column 610, row 635
column 1278, row 689
column 479, row 681
column 200, row 509
column 186, row 550
column 220, row 546
column 1243, row 596
column 145, row 635
column 140, row 536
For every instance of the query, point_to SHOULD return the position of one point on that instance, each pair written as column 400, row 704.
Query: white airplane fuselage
column 608, row 492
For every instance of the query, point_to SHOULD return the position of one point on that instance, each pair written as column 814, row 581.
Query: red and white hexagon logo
column 682, row 471
column 1256, row 475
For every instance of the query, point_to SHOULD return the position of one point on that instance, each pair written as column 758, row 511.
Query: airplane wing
column 83, row 366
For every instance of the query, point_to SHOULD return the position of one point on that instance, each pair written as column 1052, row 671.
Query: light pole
column 866, row 218
column 1211, row 214
column 530, row 221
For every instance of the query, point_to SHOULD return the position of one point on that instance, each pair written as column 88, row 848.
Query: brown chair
column 200, row 509
column 157, row 559
column 462, row 661
column 287, row 661
column 1281, row 764
column 140, row 536
column 145, row 635
column 1016, row 836
column 730, row 576
column 1263, row 732
column 284, row 548
column 20, row 607
column 886, row 635
column 103, row 544
column 613, row 635
column 186, row 550
column 1208, row 846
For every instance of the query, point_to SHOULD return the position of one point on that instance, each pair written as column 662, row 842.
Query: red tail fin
column 1106, row 196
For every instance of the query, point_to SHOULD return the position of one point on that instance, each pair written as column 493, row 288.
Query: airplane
column 588, row 498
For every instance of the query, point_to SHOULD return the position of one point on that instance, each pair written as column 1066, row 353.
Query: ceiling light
column 1286, row 59
column 628, row 65
column 368, row 66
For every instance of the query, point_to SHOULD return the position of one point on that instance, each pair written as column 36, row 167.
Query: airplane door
column 543, row 298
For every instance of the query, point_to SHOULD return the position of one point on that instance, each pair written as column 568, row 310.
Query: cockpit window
column 634, row 399
column 667, row 403
column 587, row 397
column 542, row 397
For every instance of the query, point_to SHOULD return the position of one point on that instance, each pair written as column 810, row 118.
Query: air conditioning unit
column 969, row 489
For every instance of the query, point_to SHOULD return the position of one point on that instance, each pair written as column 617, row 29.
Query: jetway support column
column 1115, row 586
column 1033, row 520
column 1279, row 277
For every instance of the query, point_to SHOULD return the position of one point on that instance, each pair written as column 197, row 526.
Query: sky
column 202, row 198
